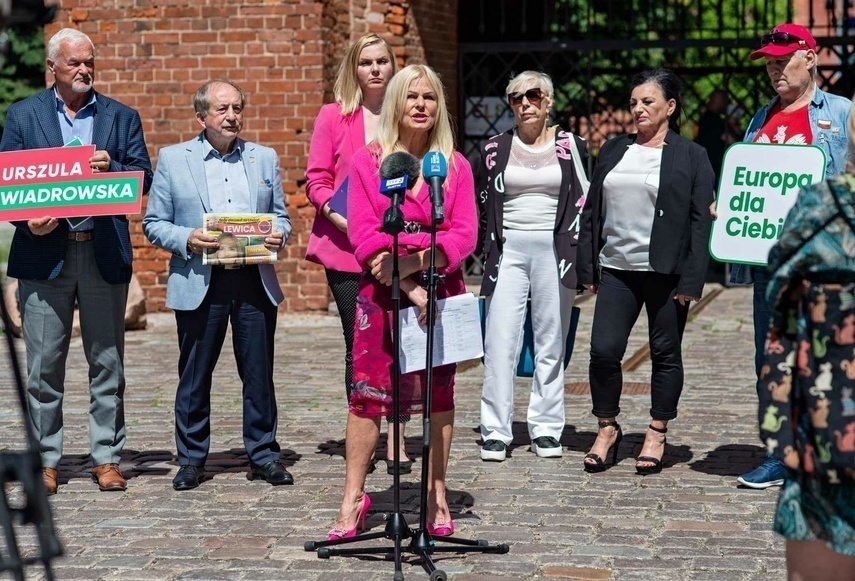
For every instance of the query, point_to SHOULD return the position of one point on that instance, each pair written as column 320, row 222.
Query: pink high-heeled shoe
column 338, row 532
column 441, row 529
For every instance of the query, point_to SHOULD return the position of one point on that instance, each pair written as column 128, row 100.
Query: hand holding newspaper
column 241, row 239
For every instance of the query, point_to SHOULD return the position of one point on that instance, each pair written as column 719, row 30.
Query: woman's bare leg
column 441, row 430
column 390, row 441
column 362, row 436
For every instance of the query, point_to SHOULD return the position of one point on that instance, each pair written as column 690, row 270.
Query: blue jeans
column 762, row 318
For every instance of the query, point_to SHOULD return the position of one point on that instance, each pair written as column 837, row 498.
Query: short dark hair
column 202, row 98
column 670, row 86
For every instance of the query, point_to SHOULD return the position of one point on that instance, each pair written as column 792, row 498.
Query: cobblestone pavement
column 689, row 522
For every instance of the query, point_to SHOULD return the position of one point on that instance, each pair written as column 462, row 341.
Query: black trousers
column 621, row 296
column 237, row 297
column 345, row 289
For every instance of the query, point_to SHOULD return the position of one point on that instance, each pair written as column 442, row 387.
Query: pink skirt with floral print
column 372, row 355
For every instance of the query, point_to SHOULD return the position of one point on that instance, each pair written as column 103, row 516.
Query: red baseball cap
column 783, row 40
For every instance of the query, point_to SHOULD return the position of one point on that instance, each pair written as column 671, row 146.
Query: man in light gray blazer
column 217, row 172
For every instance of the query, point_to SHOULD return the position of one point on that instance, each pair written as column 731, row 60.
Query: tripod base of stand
column 421, row 544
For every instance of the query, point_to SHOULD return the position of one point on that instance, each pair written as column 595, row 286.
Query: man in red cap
column 800, row 114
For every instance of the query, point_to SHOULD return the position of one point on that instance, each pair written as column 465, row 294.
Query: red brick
column 285, row 54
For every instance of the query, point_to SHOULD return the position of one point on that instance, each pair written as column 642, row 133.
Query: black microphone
column 435, row 169
column 398, row 165
column 398, row 171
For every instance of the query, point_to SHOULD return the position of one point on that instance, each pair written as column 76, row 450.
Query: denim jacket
column 833, row 140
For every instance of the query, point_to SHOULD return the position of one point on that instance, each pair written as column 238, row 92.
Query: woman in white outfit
column 530, row 196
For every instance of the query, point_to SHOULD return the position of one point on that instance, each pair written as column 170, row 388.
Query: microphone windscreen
column 400, row 164
column 434, row 166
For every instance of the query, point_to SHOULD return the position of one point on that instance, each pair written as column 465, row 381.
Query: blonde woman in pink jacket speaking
column 414, row 120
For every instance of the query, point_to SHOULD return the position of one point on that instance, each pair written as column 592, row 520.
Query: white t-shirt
column 532, row 183
column 629, row 203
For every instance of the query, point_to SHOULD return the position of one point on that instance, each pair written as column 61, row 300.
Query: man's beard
column 79, row 87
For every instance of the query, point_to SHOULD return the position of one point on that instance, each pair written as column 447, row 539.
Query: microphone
column 398, row 171
column 435, row 170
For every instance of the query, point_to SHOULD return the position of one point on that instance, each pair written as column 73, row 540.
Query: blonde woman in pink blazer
column 414, row 120
column 341, row 129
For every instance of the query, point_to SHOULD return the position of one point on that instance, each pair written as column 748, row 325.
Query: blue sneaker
column 770, row 473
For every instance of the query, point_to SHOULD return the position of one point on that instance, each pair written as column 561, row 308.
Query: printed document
column 456, row 337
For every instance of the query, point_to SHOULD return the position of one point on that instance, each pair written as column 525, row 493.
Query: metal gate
column 592, row 49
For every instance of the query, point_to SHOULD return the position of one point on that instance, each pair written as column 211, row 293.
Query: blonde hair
column 537, row 79
column 440, row 136
column 346, row 90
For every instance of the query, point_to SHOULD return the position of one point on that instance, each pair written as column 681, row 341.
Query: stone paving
column 689, row 522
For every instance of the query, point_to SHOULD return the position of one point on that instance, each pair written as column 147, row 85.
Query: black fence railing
column 560, row 20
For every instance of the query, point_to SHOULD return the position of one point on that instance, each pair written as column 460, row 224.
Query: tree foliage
column 24, row 71
column 647, row 28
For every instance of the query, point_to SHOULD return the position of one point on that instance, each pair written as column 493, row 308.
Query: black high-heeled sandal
column 656, row 463
column 404, row 466
column 599, row 465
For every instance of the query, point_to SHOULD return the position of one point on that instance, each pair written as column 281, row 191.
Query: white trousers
column 528, row 264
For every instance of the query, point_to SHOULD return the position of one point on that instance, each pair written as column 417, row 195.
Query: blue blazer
column 177, row 204
column 33, row 124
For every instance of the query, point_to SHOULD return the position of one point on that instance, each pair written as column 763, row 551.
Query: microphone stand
column 422, row 544
column 26, row 468
column 396, row 525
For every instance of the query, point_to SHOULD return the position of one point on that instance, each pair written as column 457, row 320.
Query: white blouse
column 532, row 183
column 629, row 203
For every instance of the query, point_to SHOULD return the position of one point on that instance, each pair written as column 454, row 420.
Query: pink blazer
column 334, row 141
column 456, row 236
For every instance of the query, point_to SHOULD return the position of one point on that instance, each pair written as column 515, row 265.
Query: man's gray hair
column 202, row 98
column 802, row 53
column 66, row 34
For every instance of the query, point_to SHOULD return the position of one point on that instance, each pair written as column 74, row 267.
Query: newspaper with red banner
column 241, row 238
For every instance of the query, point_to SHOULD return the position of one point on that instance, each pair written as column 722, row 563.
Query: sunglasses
column 780, row 38
column 534, row 96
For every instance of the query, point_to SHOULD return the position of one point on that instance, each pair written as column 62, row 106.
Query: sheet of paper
column 457, row 334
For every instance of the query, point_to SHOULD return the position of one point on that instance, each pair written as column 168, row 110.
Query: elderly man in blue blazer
column 88, row 261
column 217, row 172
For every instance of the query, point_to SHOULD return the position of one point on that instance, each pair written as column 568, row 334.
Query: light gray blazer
column 178, row 200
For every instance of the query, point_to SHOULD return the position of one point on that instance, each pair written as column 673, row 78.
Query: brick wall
column 153, row 56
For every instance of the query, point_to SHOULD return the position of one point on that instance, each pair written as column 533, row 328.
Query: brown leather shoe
column 109, row 477
column 49, row 476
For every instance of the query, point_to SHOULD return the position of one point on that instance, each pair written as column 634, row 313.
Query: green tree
column 667, row 33
column 23, row 73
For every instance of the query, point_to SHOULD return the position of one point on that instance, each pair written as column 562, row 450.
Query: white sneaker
column 546, row 447
column 494, row 451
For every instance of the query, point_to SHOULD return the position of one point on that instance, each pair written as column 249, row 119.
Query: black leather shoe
column 273, row 472
column 188, row 477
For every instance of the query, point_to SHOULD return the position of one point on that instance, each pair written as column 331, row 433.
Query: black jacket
column 679, row 241
column 494, row 160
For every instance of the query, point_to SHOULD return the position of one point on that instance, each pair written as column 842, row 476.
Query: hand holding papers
column 457, row 334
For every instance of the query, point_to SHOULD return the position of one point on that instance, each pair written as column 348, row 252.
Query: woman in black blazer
column 644, row 243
